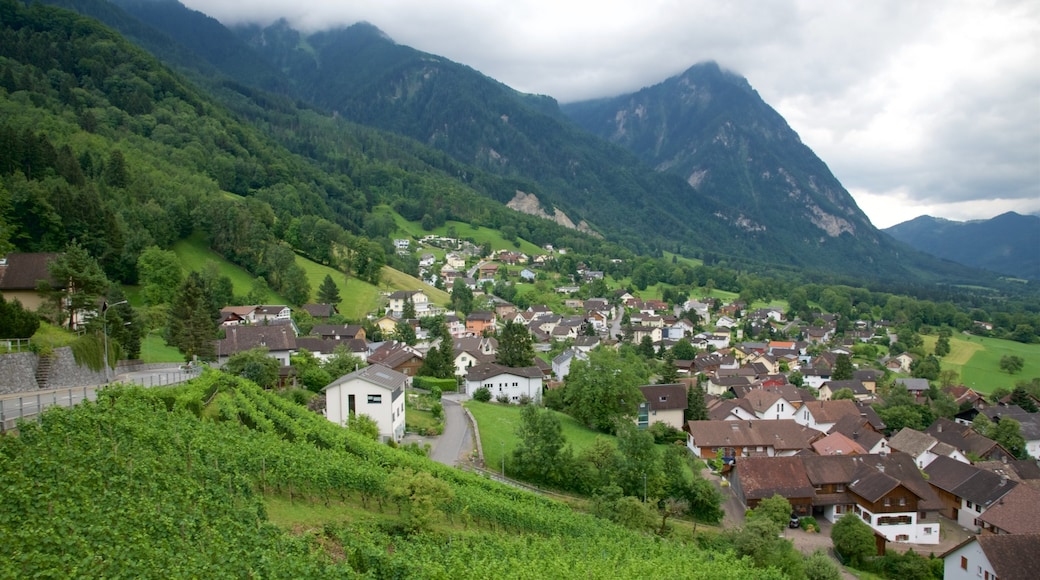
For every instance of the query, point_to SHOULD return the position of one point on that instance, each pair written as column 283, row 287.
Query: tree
column 942, row 345
column 843, row 393
column 639, row 470
column 439, row 362
column 669, row 372
column 603, row 390
column 255, row 365
column 515, row 346
column 81, row 278
column 408, row 309
column 842, row 368
column 342, row 362
column 420, row 494
column 461, row 297
column 16, row 321
column 776, row 509
column 705, row 501
column 1011, row 363
column 796, row 378
column 482, row 395
column 683, row 350
column 159, row 273
column 1008, row 433
column 403, row 332
column 853, row 538
column 328, row 292
column 541, row 455
column 926, row 368
column 1020, row 397
column 192, row 325
column 696, row 408
column 758, row 540
column 820, row 566
column 646, row 347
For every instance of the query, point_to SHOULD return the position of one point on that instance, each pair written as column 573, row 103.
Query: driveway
column 457, row 440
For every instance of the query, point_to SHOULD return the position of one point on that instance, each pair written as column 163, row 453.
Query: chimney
column 1003, row 459
column 940, row 427
column 880, row 467
column 1003, row 480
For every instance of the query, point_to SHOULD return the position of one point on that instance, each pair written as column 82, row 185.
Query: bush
column 809, row 524
column 438, row 411
column 504, row 399
column 525, row 400
column 483, row 394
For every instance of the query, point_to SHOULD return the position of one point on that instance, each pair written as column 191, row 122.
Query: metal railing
column 30, row 405
column 15, row 345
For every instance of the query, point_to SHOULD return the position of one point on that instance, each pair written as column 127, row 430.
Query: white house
column 509, row 382
column 397, row 300
column 664, row 404
column 561, row 363
column 376, row 391
column 764, row 404
column 993, row 557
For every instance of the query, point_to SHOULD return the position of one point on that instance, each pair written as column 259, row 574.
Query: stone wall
column 66, row 373
column 17, row 372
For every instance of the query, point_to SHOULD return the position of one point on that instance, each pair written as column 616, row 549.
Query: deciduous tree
column 515, row 346
column 853, row 538
column 603, row 390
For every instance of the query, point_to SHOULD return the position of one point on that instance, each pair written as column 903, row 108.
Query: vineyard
column 172, row 482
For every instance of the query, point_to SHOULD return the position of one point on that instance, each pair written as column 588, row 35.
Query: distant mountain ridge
column 1008, row 243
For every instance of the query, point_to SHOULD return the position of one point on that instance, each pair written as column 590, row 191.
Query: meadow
column 977, row 360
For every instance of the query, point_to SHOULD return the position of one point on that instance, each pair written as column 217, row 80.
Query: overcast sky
column 929, row 107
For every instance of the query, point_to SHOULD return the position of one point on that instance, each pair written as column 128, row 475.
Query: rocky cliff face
column 529, row 204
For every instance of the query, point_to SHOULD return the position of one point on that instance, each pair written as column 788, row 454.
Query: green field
column 498, row 423
column 155, row 350
column 463, row 231
column 195, row 255
column 977, row 359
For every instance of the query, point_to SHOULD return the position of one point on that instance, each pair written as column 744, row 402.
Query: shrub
column 504, row 399
column 525, row 400
column 809, row 524
column 483, row 394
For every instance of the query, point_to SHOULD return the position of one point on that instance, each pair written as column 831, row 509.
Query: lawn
column 463, row 231
column 155, row 350
column 498, row 423
column 977, row 359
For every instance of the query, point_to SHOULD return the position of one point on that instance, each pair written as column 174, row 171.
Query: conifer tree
column 193, row 326
column 328, row 292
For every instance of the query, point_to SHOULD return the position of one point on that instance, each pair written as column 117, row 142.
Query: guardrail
column 15, row 345
column 12, row 409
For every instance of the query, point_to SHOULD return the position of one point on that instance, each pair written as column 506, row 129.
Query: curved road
column 457, row 440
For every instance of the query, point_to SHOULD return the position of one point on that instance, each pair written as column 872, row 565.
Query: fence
column 161, row 379
column 14, row 345
column 31, row 405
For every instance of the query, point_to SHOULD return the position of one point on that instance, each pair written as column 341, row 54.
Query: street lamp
column 104, row 322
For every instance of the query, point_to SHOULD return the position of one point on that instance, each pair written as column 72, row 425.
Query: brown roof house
column 664, row 404
column 758, row 478
column 1017, row 512
column 747, row 438
column 967, row 440
column 823, row 415
column 923, row 447
column 20, row 274
column 397, row 356
column 993, row 558
column 966, row 492
column 279, row 341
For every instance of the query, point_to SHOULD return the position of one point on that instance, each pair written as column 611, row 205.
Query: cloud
column 929, row 106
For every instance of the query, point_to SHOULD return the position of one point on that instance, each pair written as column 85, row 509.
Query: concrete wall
column 66, row 373
column 17, row 372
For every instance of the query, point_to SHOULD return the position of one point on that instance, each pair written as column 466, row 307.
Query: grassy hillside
column 196, row 256
column 137, row 485
column 977, row 359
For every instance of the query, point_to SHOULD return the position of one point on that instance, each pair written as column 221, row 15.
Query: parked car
column 794, row 522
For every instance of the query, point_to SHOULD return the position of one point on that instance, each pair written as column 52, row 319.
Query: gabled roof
column 320, row 310
column 874, row 486
column 1017, row 512
column 1013, row 557
column 488, row 370
column 831, row 411
column 23, row 271
column 914, row 385
column 393, row 354
column 837, row 444
column 377, row 375
column 242, row 338
column 912, row 441
column 665, row 397
column 781, row 434
column 968, row 482
column 962, row 437
column 760, row 400
column 761, row 477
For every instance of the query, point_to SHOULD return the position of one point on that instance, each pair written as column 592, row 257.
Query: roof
column 874, row 485
column 404, row 294
column 377, row 375
column 342, row 330
column 22, row 271
column 831, row 411
column 665, row 397
column 760, row 400
column 914, row 385
column 319, row 310
column 834, row 469
column 781, row 434
column 761, row 477
column 1017, row 512
column 837, row 444
column 969, row 482
column 911, row 441
column 1013, row 557
column 393, row 354
column 242, row 338
column 488, row 370
column 963, row 437
column 328, row 345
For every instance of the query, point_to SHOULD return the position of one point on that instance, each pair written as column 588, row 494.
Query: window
column 375, row 399
column 902, row 538
column 928, row 531
column 964, row 563
column 978, row 509
column 968, row 504
column 840, row 488
column 888, row 501
column 902, row 501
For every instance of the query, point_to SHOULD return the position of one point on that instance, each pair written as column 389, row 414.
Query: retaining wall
column 18, row 372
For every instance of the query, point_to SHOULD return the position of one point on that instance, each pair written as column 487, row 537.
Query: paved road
column 457, row 440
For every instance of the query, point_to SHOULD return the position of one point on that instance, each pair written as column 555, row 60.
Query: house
column 511, row 383
column 19, row 275
column 320, row 311
column 900, row 363
column 823, row 415
column 427, row 260
column 387, row 325
column 528, row 275
column 376, row 391
column 837, row 444
column 471, row 351
column 859, row 391
column 455, row 261
column 487, row 271
column 324, row 348
column 234, row 315
column 994, row 558
column 1029, row 424
column 397, row 356
column 759, row 478
column 272, row 312
column 966, row 491
column 280, row 342
column 420, row 301
column 479, row 321
column 967, row 440
column 923, row 447
column 860, row 430
column 887, row 492
column 1016, row 512
column 561, row 363
column 339, row 331
column 747, row 438
column 664, row 404
column 916, row 387
column 764, row 404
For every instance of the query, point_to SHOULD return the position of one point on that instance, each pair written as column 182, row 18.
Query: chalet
column 21, row 273
column 664, row 404
column 511, row 383
column 923, row 447
column 764, row 404
column 823, row 415
column 994, row 557
column 473, row 351
column 235, row 315
column 747, row 438
column 1017, row 512
column 324, row 348
column 339, row 331
column 966, row 491
column 280, row 342
column 269, row 312
column 376, row 391
column 397, row 356
column 759, row 478
column 916, row 387
column 967, row 440
column 320, row 311
column 487, row 271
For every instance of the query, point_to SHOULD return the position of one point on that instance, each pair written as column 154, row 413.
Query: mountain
column 1008, row 243
column 752, row 197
